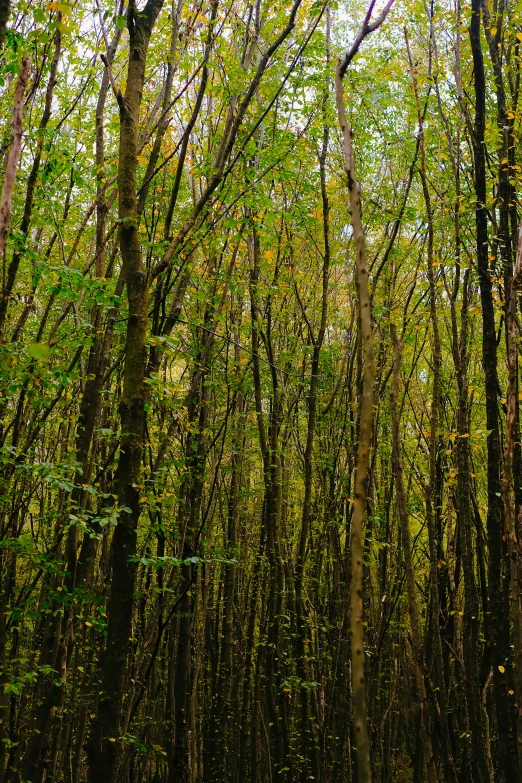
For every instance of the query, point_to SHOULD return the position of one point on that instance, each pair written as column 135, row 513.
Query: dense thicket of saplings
column 260, row 448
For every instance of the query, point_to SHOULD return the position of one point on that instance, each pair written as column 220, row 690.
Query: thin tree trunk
column 363, row 453
column 413, row 609
column 104, row 741
column 14, row 152
column 432, row 505
column 508, row 493
column 9, row 278
column 5, row 8
column 495, row 521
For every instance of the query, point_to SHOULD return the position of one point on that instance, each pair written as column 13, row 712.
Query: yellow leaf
column 144, row 500
column 511, row 693
column 89, row 625
column 519, row 36
column 501, row 669
column 112, row 739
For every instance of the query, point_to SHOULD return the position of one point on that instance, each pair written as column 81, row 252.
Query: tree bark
column 364, row 772
column 104, row 742
column 495, row 516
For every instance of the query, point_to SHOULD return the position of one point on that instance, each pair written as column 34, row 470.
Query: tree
column 259, row 416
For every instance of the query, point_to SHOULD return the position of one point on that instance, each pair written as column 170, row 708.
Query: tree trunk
column 105, row 730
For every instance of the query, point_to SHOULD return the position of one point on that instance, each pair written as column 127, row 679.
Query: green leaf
column 38, row 351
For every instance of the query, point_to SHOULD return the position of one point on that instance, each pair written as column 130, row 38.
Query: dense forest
column 260, row 437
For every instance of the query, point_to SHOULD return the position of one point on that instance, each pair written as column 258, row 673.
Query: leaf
column 120, row 22
column 38, row 351
column 501, row 669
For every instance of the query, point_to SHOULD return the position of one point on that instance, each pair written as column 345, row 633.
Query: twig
column 366, row 28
